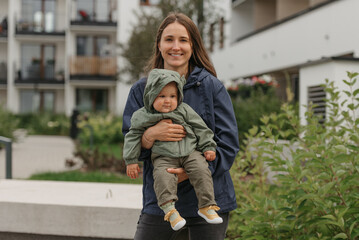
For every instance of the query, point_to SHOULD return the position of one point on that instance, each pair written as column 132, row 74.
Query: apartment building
column 298, row 42
column 61, row 55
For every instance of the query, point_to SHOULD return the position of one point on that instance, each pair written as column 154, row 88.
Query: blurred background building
column 299, row 43
column 61, row 55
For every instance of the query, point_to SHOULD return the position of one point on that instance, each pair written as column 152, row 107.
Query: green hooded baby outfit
column 185, row 153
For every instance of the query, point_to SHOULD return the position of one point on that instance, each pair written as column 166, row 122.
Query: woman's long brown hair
column 199, row 56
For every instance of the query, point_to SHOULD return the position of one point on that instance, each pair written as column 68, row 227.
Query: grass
column 79, row 176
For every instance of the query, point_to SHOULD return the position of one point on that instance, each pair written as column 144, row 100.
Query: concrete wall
column 315, row 74
column 29, row 209
column 286, row 8
column 265, row 12
column 242, row 20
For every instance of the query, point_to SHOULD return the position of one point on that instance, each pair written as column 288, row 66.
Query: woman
column 179, row 47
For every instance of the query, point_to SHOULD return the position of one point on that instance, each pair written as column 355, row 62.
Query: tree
column 139, row 48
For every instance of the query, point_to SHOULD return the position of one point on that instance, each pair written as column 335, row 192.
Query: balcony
column 42, row 24
column 37, row 73
column 93, row 68
column 94, row 13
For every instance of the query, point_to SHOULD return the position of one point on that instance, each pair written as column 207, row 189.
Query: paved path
column 36, row 154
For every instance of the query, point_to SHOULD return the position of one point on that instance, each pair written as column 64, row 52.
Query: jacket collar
column 196, row 76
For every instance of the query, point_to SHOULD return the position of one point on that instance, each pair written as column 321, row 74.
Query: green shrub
column 252, row 102
column 106, row 128
column 45, row 123
column 8, row 123
column 315, row 192
column 107, row 140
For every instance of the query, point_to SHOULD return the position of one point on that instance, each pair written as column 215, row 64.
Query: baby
column 163, row 99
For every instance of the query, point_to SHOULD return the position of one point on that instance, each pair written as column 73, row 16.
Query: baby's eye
column 173, row 96
column 161, row 96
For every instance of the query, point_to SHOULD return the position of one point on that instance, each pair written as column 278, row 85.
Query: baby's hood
column 157, row 79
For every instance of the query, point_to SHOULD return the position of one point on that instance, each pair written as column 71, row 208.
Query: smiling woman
column 179, row 47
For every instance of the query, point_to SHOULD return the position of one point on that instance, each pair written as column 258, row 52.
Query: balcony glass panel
column 37, row 62
column 94, row 10
column 37, row 16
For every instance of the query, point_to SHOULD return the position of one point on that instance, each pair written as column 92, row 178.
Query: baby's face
column 167, row 99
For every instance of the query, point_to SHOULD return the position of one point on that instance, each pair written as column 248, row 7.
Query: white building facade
column 298, row 42
column 62, row 55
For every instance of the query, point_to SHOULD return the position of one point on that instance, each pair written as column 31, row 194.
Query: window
column 36, row 101
column 221, row 33
column 37, row 61
column 316, row 99
column 39, row 15
column 91, row 100
column 211, row 37
column 90, row 45
column 95, row 10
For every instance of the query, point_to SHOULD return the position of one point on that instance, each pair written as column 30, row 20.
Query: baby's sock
column 168, row 207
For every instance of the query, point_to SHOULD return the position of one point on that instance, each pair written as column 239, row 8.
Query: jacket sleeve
column 134, row 102
column 200, row 129
column 225, row 130
column 132, row 145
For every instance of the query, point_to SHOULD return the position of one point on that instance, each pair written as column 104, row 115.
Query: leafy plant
column 104, row 128
column 252, row 102
column 314, row 192
column 44, row 123
column 8, row 123
column 100, row 142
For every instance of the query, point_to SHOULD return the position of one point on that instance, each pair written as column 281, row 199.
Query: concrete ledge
column 90, row 210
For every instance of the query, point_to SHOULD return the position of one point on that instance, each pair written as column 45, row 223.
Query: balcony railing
column 44, row 24
column 34, row 73
column 93, row 67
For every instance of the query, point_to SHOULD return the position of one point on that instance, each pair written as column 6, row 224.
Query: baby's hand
column 132, row 170
column 210, row 155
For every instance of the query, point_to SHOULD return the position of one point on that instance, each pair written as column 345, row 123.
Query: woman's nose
column 176, row 45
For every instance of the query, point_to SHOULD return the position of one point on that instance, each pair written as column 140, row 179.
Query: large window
column 94, row 10
column 36, row 101
column 91, row 45
column 37, row 61
column 92, row 100
column 39, row 15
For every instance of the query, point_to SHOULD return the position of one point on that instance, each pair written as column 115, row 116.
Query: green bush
column 252, row 102
column 315, row 192
column 8, row 123
column 107, row 139
column 106, row 128
column 44, row 123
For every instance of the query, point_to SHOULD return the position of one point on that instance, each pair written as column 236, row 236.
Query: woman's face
column 176, row 48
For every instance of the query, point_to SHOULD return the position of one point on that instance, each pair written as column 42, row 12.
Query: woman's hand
column 181, row 173
column 164, row 131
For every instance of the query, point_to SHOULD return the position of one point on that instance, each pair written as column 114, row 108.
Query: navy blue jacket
column 209, row 98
